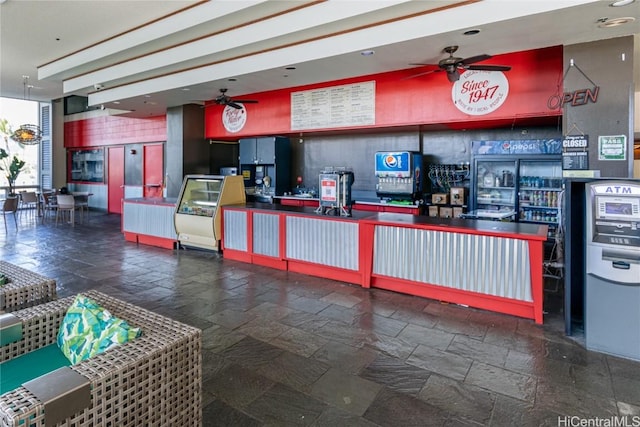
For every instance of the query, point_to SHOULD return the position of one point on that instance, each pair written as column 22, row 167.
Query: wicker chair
column 154, row 380
column 25, row 288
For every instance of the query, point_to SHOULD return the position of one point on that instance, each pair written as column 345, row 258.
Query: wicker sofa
column 154, row 380
column 24, row 289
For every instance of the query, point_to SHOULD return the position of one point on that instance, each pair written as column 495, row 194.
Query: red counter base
column 143, row 239
column 471, row 299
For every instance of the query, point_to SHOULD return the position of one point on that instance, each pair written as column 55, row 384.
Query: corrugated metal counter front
column 295, row 239
column 486, row 264
column 149, row 221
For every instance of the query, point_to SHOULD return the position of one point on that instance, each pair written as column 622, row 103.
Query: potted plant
column 10, row 165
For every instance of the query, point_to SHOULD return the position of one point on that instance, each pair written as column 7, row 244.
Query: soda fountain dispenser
column 398, row 175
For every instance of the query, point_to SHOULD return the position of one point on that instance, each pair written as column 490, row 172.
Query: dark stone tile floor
column 284, row 349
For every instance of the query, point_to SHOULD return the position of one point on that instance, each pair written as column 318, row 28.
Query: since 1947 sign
column 480, row 92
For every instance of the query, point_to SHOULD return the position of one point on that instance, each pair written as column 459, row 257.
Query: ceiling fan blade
column 453, row 76
column 420, row 74
column 489, row 67
column 474, row 59
column 234, row 105
column 245, row 101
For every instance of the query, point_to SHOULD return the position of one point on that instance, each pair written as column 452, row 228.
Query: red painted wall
column 114, row 130
column 533, row 78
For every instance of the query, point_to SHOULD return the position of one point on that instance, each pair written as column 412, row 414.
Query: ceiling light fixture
column 615, row 22
column 368, row 52
column 621, row 3
column 471, row 32
column 27, row 134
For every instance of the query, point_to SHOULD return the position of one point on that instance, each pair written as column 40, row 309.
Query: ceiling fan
column 224, row 99
column 452, row 65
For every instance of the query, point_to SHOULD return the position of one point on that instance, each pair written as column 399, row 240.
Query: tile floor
column 285, row 349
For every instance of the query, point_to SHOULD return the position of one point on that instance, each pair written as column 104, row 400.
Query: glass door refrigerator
column 524, row 188
column 494, row 187
column 540, row 191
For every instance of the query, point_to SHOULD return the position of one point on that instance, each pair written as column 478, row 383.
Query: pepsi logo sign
column 390, row 161
column 480, row 92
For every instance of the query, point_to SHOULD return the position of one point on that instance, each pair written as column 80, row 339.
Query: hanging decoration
column 577, row 97
column 27, row 134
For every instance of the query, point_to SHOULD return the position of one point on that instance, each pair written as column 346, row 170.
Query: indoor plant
column 10, row 165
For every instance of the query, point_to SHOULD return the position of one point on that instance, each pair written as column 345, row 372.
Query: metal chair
column 29, row 200
column 10, row 205
column 49, row 204
column 66, row 205
column 82, row 202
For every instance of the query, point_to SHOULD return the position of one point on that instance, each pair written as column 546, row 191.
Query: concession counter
column 490, row 265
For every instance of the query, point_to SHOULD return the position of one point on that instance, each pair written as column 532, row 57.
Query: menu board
column 332, row 107
column 575, row 153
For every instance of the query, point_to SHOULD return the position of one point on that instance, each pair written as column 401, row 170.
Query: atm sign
column 616, row 189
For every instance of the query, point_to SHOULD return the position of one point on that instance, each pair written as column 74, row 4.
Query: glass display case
column 197, row 216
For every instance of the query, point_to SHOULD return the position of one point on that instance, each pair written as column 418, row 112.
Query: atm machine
column 612, row 294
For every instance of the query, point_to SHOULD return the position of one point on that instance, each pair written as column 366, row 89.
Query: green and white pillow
column 89, row 329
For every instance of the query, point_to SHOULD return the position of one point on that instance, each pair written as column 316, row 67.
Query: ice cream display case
column 197, row 216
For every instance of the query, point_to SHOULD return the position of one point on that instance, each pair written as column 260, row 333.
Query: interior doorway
column 152, row 170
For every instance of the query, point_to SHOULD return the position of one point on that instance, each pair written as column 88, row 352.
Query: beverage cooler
column 198, row 217
column 518, row 188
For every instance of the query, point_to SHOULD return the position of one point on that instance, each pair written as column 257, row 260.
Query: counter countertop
column 309, row 211
column 534, row 231
column 295, row 197
column 357, row 202
column 472, row 226
column 168, row 201
column 379, row 203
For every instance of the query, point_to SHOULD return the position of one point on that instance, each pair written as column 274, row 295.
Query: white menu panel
column 336, row 106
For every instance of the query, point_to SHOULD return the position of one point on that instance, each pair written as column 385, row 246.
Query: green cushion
column 15, row 372
column 89, row 329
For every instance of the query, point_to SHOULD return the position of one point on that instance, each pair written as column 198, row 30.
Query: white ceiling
column 150, row 55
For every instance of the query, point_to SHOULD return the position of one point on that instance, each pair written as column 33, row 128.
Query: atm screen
column 618, row 208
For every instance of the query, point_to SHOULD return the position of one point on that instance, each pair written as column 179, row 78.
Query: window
column 87, row 165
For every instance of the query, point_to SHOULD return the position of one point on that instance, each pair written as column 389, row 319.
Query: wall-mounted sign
column 574, row 99
column 234, row 119
column 333, row 107
column 480, row 92
column 575, row 154
column 524, row 146
column 612, row 147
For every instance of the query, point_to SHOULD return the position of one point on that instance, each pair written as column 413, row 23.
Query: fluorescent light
column 621, row 3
